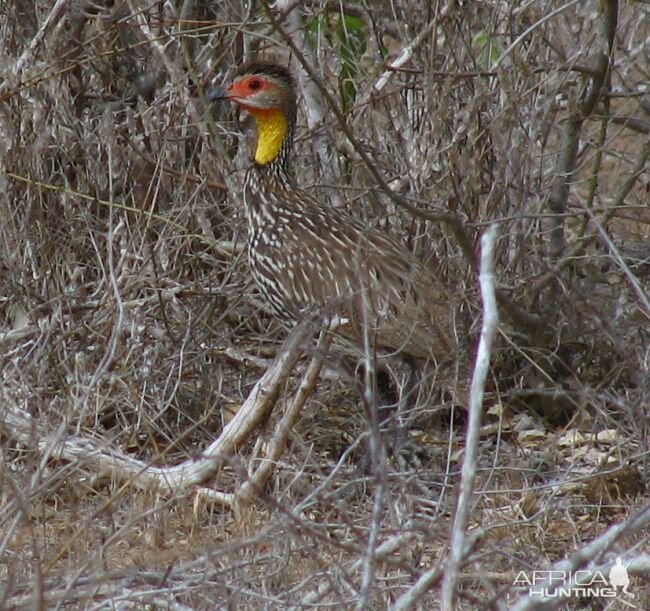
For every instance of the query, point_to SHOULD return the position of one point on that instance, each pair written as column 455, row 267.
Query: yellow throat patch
column 271, row 132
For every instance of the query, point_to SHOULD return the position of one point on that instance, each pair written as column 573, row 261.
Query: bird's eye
column 254, row 84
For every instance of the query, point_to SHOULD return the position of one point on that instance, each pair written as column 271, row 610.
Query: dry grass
column 127, row 316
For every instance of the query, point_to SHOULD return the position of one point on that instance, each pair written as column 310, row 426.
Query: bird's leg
column 368, row 382
column 395, row 396
column 406, row 386
column 404, row 381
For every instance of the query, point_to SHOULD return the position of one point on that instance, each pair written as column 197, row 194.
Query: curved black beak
column 218, row 93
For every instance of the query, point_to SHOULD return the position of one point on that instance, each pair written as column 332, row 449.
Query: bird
column 305, row 255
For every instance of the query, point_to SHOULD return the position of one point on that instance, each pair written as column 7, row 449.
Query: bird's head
column 267, row 92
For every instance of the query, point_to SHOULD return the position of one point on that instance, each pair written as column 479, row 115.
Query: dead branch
column 314, row 107
column 585, row 557
column 112, row 463
column 566, row 162
column 580, row 248
column 465, row 500
column 278, row 441
column 53, row 18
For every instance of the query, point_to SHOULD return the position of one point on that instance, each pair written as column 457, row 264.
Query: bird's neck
column 271, row 169
column 274, row 135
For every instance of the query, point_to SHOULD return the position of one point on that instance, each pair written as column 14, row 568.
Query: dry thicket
column 130, row 333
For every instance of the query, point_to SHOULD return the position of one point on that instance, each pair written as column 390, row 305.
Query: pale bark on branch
column 91, row 454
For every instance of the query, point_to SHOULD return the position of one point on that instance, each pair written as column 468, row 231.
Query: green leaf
column 489, row 49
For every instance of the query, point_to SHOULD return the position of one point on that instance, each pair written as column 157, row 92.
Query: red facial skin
column 242, row 89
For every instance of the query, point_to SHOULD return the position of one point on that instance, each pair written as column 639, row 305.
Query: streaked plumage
column 304, row 254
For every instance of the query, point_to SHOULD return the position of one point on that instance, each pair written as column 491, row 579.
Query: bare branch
column 584, row 557
column 115, row 464
column 53, row 17
column 314, row 107
column 248, row 490
column 566, row 161
column 481, row 368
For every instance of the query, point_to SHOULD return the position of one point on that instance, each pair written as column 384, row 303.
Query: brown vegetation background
column 129, row 326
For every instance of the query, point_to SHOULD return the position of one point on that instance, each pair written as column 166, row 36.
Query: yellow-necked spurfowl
column 305, row 255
